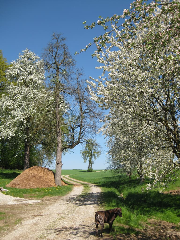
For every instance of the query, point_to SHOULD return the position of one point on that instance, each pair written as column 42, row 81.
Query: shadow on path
column 86, row 199
column 83, row 231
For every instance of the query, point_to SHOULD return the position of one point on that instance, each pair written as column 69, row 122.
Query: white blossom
column 142, row 92
column 26, row 96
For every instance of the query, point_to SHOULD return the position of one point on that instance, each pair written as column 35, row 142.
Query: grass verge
column 138, row 205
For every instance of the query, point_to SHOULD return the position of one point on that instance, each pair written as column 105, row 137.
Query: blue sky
column 31, row 23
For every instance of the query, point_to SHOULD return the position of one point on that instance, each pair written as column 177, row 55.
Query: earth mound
column 34, row 177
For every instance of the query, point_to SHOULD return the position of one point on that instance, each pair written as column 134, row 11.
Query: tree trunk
column 59, row 139
column 27, row 150
column 90, row 165
column 27, row 154
column 140, row 170
column 58, row 161
column 129, row 173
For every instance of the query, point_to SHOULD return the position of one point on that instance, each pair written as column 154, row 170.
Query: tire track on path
column 74, row 181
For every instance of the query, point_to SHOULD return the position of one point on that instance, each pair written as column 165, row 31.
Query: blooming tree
column 25, row 102
column 140, row 84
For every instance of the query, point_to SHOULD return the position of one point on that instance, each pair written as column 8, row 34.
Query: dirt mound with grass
column 34, row 177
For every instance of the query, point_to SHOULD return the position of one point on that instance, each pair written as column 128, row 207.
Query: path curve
column 70, row 217
column 74, row 181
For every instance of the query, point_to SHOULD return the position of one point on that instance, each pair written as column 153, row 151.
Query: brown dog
column 107, row 216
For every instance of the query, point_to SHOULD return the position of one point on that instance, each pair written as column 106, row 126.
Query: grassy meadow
column 138, row 205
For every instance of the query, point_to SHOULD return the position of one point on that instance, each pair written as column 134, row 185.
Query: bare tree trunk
column 58, row 161
column 59, row 139
column 27, row 153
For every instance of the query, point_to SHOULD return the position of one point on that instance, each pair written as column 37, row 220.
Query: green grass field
column 138, row 205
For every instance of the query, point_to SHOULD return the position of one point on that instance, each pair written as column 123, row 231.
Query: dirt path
column 70, row 217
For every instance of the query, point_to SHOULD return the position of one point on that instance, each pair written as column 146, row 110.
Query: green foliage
column 90, row 169
column 91, row 151
column 12, row 154
column 25, row 115
column 3, row 67
column 6, row 176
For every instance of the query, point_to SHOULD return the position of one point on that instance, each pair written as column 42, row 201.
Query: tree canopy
column 90, row 152
column 140, row 60
column 75, row 114
column 25, row 102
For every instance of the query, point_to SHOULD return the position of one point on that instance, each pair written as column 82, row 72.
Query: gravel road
column 70, row 217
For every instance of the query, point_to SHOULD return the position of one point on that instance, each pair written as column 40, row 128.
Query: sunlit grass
column 39, row 192
column 95, row 177
column 138, row 205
